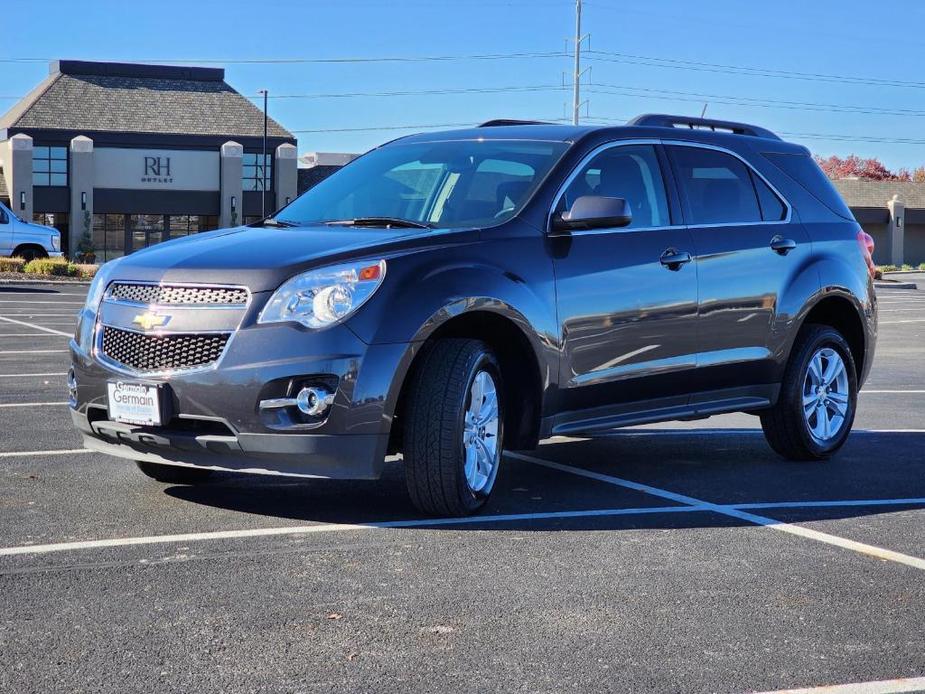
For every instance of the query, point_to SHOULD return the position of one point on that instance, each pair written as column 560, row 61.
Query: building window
column 252, row 175
column 108, row 236
column 186, row 224
column 49, row 166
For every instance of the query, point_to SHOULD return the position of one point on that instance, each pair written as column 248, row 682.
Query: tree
column 872, row 169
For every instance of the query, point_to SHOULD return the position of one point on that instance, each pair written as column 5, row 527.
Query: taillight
column 866, row 242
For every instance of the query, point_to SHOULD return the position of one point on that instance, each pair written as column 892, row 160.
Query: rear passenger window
column 718, row 186
column 772, row 209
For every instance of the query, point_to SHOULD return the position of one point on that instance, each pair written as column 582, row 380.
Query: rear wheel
column 815, row 411
column 173, row 474
column 28, row 253
column 454, row 428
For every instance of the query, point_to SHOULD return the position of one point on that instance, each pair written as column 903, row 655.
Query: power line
column 422, row 92
column 834, row 137
column 300, row 61
column 648, row 92
column 652, row 61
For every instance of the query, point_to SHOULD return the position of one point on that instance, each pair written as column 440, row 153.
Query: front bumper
column 215, row 418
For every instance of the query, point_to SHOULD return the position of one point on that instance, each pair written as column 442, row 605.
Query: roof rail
column 497, row 122
column 662, row 120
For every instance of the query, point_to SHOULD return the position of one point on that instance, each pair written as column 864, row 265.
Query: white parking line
column 763, row 521
column 57, row 303
column 730, row 432
column 899, row 322
column 891, row 392
column 30, row 454
column 31, row 351
column 62, row 373
column 685, row 507
column 334, row 527
column 30, row 335
column 35, row 326
column 912, row 684
column 31, row 404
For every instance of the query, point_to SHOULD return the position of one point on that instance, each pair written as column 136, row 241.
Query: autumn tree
column 871, row 169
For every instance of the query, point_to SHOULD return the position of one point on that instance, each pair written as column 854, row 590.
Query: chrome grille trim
column 177, row 294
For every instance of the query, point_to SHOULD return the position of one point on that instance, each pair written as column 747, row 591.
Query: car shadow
column 731, row 467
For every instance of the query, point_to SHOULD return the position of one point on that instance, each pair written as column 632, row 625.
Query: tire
column 30, row 253
column 796, row 435
column 173, row 474
column 442, row 435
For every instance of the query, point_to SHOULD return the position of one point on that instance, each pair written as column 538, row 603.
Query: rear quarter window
column 802, row 169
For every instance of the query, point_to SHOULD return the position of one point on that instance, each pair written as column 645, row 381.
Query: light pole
column 263, row 162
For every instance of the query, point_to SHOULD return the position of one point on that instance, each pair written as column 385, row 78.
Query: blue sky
column 845, row 38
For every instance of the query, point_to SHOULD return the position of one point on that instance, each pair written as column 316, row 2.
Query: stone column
column 896, row 230
column 286, row 173
column 20, row 176
column 81, row 180
column 232, row 202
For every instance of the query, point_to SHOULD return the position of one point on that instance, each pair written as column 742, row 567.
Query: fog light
column 314, row 401
column 71, row 387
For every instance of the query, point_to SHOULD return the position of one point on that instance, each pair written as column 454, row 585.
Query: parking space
column 675, row 557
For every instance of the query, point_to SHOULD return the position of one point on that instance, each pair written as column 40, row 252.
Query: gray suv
column 451, row 295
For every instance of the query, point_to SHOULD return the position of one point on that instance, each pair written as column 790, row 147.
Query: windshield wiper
column 273, row 222
column 381, row 222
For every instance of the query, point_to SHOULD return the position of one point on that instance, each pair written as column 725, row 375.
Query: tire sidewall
column 823, row 337
column 484, row 361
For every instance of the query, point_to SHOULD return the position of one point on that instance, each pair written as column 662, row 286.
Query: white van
column 25, row 239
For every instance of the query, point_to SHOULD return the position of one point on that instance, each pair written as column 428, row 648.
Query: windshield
column 433, row 184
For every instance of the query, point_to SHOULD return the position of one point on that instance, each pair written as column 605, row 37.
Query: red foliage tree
column 854, row 166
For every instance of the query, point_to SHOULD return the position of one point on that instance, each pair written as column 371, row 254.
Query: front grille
column 161, row 352
column 170, row 294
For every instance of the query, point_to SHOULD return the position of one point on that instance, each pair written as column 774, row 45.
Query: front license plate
column 134, row 403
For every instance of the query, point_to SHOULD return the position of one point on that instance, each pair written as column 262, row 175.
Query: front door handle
column 782, row 246
column 673, row 259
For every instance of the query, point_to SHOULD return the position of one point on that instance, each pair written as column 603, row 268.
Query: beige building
column 893, row 212
column 139, row 154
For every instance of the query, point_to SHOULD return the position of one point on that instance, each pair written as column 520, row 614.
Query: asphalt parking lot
column 670, row 558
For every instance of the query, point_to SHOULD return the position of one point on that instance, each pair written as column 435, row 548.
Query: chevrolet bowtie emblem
column 150, row 320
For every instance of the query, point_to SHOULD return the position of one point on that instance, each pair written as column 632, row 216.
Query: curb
column 895, row 284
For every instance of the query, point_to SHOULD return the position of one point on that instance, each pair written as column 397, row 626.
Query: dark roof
column 859, row 192
column 309, row 178
column 121, row 97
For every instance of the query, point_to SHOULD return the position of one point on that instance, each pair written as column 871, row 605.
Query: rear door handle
column 782, row 246
column 673, row 259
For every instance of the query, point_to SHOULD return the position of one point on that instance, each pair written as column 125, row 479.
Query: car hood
column 262, row 258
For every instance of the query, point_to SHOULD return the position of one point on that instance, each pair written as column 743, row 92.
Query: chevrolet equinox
column 448, row 296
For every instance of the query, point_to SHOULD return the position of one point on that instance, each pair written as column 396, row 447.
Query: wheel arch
column 841, row 311
column 39, row 249
column 524, row 370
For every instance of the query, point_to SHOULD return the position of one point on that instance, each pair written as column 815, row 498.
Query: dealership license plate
column 134, row 403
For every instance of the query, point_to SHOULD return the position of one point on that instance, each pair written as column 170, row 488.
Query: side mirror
column 594, row 212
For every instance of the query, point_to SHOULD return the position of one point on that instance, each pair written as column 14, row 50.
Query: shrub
column 887, row 268
column 84, row 271
column 50, row 266
column 12, row 264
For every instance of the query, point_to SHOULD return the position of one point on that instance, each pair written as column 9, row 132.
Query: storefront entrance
column 115, row 235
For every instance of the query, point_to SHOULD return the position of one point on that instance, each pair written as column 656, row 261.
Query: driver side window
column 632, row 173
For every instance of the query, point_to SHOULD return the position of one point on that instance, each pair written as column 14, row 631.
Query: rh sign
column 157, row 170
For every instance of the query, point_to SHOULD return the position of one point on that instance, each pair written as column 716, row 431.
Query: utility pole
column 263, row 162
column 576, row 77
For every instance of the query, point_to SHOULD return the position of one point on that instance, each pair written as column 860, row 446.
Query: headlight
column 56, row 242
column 87, row 318
column 323, row 297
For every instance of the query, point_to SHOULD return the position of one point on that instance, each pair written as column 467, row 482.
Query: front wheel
column 454, row 428
column 173, row 474
column 815, row 411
